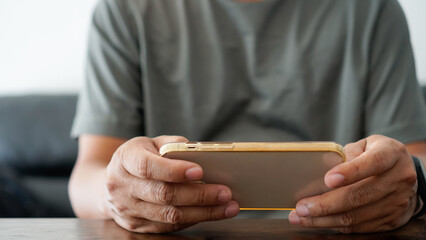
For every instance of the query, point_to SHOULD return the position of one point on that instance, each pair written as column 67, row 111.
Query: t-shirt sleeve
column 111, row 100
column 394, row 105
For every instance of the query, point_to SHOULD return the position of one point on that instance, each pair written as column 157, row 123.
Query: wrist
column 419, row 205
column 421, row 188
column 87, row 191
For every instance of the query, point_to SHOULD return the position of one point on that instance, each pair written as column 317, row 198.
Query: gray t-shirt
column 277, row 70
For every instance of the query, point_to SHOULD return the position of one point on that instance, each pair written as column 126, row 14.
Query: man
column 269, row 70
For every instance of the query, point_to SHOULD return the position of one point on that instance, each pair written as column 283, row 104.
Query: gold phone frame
column 197, row 151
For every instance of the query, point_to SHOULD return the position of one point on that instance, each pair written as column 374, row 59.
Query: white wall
column 415, row 11
column 42, row 43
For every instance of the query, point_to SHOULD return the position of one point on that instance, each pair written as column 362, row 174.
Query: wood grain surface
column 72, row 228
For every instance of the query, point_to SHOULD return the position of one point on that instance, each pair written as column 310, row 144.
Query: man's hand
column 148, row 193
column 375, row 190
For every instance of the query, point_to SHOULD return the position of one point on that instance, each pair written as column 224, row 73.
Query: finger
column 188, row 215
column 353, row 150
column 141, row 225
column 376, row 210
column 161, row 140
column 177, row 215
column 376, row 160
column 345, row 198
column 383, row 224
column 147, row 165
column 187, row 194
column 137, row 223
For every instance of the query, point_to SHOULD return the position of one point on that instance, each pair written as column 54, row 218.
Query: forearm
column 86, row 190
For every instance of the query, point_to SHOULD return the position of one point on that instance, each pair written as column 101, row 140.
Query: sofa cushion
column 35, row 133
column 15, row 200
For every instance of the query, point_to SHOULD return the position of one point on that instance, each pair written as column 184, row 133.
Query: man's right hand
column 151, row 194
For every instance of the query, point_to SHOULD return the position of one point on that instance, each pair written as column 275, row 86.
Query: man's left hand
column 374, row 190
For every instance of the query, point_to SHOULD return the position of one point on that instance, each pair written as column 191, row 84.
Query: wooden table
column 62, row 229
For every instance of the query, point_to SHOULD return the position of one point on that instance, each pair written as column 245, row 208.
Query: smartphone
column 262, row 175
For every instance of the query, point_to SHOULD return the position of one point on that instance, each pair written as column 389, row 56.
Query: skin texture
column 129, row 182
column 374, row 191
column 143, row 192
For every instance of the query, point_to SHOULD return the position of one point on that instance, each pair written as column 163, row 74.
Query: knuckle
column 132, row 226
column 173, row 215
column 121, row 209
column 165, row 193
column 357, row 196
column 202, row 197
column 404, row 204
column 111, row 186
column 111, row 183
column 395, row 223
column 324, row 208
column 212, row 214
column 143, row 167
column 410, row 177
column 346, row 219
column 379, row 159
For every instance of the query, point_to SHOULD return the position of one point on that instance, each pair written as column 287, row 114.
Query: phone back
column 267, row 179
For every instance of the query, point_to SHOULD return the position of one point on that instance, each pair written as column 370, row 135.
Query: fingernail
column 293, row 218
column 224, row 196
column 231, row 210
column 335, row 180
column 194, row 174
column 302, row 210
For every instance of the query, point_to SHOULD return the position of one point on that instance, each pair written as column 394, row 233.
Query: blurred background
column 42, row 58
column 42, row 43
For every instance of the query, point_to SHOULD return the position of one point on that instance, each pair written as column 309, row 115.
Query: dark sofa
column 37, row 155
